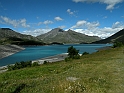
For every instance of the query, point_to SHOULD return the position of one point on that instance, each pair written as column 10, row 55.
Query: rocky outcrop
column 7, row 50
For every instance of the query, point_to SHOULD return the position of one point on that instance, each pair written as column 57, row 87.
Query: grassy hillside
column 100, row 72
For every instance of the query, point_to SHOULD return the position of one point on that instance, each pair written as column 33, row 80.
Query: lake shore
column 50, row 59
column 7, row 50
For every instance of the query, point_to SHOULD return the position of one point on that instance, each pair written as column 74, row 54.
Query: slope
column 8, row 36
column 61, row 36
column 117, row 37
column 100, row 72
column 7, row 32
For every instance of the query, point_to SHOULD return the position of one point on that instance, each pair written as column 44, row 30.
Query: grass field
column 100, row 72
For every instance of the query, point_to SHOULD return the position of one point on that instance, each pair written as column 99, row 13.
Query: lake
column 37, row 52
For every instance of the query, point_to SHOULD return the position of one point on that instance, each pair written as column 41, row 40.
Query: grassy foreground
column 100, row 72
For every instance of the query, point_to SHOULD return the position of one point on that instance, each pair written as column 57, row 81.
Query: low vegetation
column 100, row 72
column 22, row 64
column 72, row 54
column 85, row 53
column 118, row 44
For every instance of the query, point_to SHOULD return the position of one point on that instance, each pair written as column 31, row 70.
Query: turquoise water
column 37, row 52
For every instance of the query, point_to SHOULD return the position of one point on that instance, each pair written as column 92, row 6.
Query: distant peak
column 70, row 30
column 58, row 30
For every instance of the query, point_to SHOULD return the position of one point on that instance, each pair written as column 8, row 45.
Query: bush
column 45, row 62
column 67, row 59
column 35, row 64
column 85, row 53
column 117, row 44
column 22, row 64
column 73, row 53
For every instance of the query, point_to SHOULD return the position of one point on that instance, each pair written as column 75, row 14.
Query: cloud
column 84, row 24
column 70, row 12
column 61, row 27
column 39, row 23
column 36, row 32
column 122, row 16
column 15, row 23
column 105, row 17
column 110, row 3
column 92, row 28
column 118, row 25
column 47, row 22
column 58, row 18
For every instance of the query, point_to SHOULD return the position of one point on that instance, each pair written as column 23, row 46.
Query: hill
column 117, row 37
column 100, row 72
column 8, row 36
column 7, row 32
column 61, row 36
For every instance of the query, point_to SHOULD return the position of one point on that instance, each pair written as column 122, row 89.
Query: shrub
column 73, row 53
column 22, row 64
column 117, row 44
column 35, row 64
column 45, row 62
column 85, row 53
column 67, row 59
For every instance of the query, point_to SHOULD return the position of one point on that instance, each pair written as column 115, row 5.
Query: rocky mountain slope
column 8, row 36
column 61, row 36
column 117, row 37
column 7, row 32
column 7, row 50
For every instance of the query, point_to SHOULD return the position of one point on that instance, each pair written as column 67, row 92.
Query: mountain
column 8, row 36
column 117, row 37
column 61, row 36
column 7, row 32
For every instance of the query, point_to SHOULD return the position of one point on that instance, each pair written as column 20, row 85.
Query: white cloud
column 61, row 27
column 122, row 16
column 36, row 32
column 39, row 23
column 118, row 25
column 70, row 12
column 110, row 3
column 105, row 17
column 58, row 18
column 84, row 24
column 15, row 23
column 47, row 22
column 92, row 28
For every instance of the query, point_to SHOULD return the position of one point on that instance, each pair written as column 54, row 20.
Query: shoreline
column 51, row 59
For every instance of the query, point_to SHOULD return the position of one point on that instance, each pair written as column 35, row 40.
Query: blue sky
column 34, row 17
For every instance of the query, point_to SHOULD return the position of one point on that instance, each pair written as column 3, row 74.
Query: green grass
column 100, row 72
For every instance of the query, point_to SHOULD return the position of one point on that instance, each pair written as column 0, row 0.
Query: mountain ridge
column 70, row 36
column 9, row 36
column 117, row 37
column 7, row 32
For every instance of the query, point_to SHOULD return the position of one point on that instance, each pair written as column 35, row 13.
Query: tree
column 117, row 44
column 73, row 53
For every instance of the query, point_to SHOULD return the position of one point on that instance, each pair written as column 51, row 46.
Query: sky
column 101, row 18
